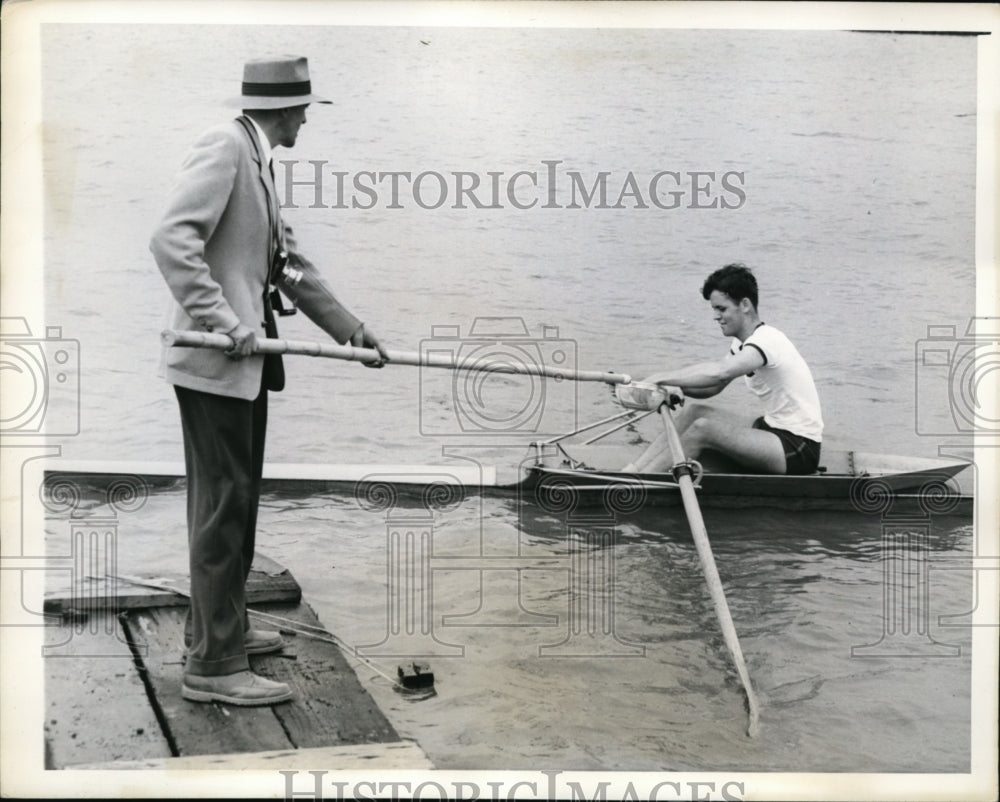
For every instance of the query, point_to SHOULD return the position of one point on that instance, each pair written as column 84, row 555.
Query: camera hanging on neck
column 281, row 268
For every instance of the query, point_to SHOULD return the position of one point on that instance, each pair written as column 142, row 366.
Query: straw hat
column 276, row 83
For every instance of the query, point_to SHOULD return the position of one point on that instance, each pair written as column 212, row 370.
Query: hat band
column 291, row 89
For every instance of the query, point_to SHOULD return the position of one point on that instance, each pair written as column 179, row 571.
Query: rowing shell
column 842, row 475
column 853, row 478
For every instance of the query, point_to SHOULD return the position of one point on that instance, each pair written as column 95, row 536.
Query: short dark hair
column 735, row 280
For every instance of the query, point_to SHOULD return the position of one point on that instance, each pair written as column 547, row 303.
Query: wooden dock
column 113, row 671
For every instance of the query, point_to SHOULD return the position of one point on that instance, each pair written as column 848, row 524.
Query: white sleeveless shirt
column 784, row 384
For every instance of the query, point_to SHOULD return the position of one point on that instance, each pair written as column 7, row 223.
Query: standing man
column 224, row 252
column 786, row 438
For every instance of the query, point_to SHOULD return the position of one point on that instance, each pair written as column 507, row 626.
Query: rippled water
column 858, row 153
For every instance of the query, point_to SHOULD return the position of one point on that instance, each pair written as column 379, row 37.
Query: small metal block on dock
column 416, row 675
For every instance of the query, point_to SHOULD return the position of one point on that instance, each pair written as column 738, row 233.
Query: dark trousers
column 224, row 457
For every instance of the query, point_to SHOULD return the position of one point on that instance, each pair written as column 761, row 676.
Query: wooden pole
column 700, row 535
column 350, row 353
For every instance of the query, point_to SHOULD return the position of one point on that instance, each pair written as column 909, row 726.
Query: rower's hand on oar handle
column 673, row 395
column 244, row 342
column 648, row 396
column 363, row 338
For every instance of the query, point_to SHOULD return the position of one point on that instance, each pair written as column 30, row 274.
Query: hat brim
column 283, row 102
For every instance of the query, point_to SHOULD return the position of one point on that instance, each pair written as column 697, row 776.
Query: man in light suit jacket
column 224, row 251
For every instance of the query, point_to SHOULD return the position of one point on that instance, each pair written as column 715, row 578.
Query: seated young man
column 786, row 438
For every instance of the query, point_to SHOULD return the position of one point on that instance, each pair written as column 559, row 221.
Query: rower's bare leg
column 653, row 459
column 657, row 457
column 709, row 428
column 731, row 435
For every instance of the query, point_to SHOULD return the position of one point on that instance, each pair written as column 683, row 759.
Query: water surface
column 858, row 160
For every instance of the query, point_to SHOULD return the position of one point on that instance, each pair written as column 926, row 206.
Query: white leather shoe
column 244, row 688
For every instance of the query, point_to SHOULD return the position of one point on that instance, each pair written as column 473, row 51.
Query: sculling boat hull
column 864, row 480
column 858, row 479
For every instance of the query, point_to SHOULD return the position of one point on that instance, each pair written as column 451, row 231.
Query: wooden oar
column 700, row 534
column 350, row 353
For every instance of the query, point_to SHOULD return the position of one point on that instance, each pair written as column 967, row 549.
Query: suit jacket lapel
column 267, row 181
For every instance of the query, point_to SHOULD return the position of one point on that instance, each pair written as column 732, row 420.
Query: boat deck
column 113, row 673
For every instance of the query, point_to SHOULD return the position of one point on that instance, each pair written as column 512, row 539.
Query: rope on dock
column 299, row 628
column 318, row 633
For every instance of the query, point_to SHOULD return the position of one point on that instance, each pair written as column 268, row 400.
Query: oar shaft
column 350, row 353
column 700, row 534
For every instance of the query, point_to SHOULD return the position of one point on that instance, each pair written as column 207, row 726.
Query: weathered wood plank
column 403, row 755
column 197, row 728
column 96, row 706
column 268, row 583
column 330, row 705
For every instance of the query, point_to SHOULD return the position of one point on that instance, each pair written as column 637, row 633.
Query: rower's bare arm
column 704, row 392
column 710, row 377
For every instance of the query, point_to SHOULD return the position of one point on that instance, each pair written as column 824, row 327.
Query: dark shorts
column 801, row 453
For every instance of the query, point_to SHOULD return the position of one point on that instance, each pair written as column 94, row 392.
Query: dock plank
column 330, row 709
column 96, row 707
column 197, row 729
column 268, row 583
column 330, row 706
column 402, row 755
